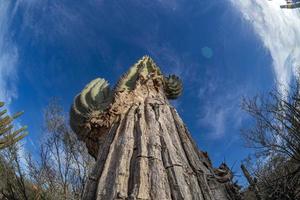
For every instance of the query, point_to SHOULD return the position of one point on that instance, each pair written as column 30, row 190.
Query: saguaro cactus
column 142, row 148
column 7, row 135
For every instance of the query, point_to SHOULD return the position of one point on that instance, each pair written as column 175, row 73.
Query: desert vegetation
column 58, row 171
column 275, row 138
column 61, row 167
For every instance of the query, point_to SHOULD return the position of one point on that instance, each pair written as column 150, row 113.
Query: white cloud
column 220, row 114
column 279, row 31
column 169, row 4
column 8, row 54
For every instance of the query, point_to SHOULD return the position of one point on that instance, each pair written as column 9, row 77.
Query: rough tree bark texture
column 145, row 151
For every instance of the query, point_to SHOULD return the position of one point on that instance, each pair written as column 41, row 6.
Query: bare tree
column 274, row 179
column 58, row 171
column 64, row 161
column 277, row 124
column 275, row 137
column 13, row 180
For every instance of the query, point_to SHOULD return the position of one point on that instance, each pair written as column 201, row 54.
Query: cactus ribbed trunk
column 148, row 153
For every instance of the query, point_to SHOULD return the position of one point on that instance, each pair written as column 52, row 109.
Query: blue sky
column 222, row 50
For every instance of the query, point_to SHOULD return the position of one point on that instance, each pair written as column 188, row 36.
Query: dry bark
column 148, row 152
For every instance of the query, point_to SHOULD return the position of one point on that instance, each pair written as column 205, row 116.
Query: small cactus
column 173, row 86
column 7, row 135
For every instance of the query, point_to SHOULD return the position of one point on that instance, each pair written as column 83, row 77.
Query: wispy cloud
column 279, row 31
column 220, row 114
column 8, row 54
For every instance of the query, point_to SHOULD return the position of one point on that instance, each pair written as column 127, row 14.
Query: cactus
column 94, row 98
column 142, row 68
column 97, row 106
column 138, row 147
column 173, row 86
column 146, row 67
column 149, row 67
column 8, row 136
column 127, row 80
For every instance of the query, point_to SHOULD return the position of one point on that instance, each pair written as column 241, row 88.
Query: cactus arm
column 93, row 99
column 128, row 79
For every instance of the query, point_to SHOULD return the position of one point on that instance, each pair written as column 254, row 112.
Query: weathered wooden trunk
column 142, row 148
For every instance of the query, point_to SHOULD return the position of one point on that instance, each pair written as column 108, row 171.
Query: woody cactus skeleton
column 142, row 148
